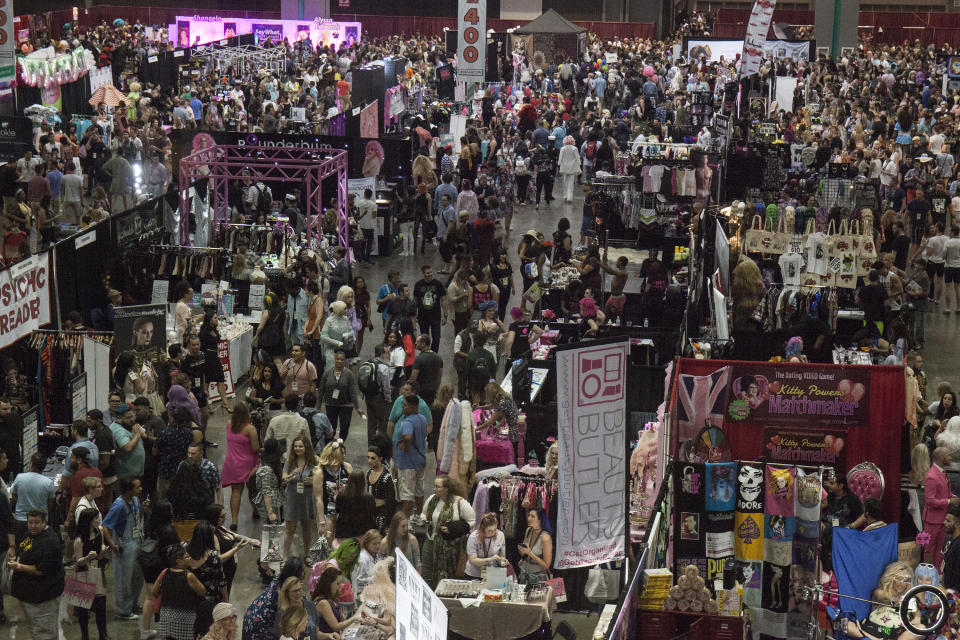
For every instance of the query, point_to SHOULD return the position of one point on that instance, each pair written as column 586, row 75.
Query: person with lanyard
column 486, row 546
column 339, row 393
column 194, row 365
column 299, row 374
column 123, row 528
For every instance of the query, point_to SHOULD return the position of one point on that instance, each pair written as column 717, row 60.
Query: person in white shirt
column 935, row 252
column 486, row 547
column 367, row 220
column 27, row 166
column 71, row 189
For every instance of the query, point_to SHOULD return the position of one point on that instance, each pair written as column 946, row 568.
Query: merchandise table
column 241, row 353
column 498, row 620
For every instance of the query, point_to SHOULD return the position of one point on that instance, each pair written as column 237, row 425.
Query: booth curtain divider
column 75, row 97
column 877, row 442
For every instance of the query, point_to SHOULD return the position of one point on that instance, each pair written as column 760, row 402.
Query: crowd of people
column 138, row 474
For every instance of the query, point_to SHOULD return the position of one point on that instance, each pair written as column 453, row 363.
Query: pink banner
column 368, row 121
column 757, row 28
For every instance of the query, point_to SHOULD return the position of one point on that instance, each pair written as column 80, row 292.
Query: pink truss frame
column 309, row 166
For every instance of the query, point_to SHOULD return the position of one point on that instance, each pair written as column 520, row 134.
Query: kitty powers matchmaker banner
column 591, row 424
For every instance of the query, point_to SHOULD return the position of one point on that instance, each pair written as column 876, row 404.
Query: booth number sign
column 472, row 41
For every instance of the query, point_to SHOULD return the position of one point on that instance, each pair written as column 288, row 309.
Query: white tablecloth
column 241, row 352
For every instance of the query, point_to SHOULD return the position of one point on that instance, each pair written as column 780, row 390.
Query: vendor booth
column 548, row 37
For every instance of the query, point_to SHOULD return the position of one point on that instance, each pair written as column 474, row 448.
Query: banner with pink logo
column 756, row 40
column 591, row 421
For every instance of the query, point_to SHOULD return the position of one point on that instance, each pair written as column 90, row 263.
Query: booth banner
column 24, row 298
column 471, row 40
column 223, row 352
column 755, row 42
column 100, row 76
column 800, row 446
column 368, row 120
column 142, row 331
column 78, row 396
column 396, row 161
column 8, row 44
column 591, row 419
column 420, row 614
column 767, row 392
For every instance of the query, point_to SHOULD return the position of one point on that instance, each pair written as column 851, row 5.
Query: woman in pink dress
column 243, row 449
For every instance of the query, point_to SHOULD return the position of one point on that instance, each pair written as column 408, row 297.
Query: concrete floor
column 247, row 584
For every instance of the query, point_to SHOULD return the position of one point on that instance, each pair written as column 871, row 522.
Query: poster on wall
column 778, row 393
column 24, row 298
column 8, row 57
column 31, row 428
column 368, row 121
column 591, row 421
column 471, row 40
column 807, row 447
column 420, row 614
column 141, row 330
column 223, row 352
column 267, row 31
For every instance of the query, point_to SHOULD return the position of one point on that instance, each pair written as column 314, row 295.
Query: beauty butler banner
column 591, row 423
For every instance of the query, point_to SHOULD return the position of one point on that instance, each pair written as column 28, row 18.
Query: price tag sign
column 835, row 264
column 161, row 289
column 257, row 292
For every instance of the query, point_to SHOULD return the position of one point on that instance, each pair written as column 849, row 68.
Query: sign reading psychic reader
column 24, row 298
column 591, row 422
column 774, row 393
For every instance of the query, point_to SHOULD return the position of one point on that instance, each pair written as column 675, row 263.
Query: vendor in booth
column 884, row 620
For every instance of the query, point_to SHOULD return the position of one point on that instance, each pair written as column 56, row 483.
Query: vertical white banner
column 8, row 42
column 96, row 364
column 471, row 40
column 756, row 40
column 591, row 420
column 420, row 614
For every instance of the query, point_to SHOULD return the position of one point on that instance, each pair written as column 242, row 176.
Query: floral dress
column 210, row 574
column 258, row 621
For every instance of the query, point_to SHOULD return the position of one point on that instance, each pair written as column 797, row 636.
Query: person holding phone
column 536, row 550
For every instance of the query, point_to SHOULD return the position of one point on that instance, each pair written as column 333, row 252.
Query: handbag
column 781, row 239
column 559, row 589
column 751, row 240
column 78, row 593
column 603, row 585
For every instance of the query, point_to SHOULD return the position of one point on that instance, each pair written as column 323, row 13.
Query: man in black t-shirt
column 951, row 554
column 194, row 365
column 103, row 438
column 843, row 506
column 38, row 578
column 872, row 298
column 401, row 307
column 431, row 310
column 427, row 370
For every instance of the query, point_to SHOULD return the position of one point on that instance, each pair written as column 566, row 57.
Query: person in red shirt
column 81, row 469
column 483, row 231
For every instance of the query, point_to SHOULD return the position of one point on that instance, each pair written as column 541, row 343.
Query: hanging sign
column 756, row 40
column 783, row 393
column 471, row 40
column 591, row 420
column 31, row 428
column 806, row 447
column 161, row 290
column 8, row 56
column 255, row 300
column 420, row 614
column 78, row 396
column 24, row 298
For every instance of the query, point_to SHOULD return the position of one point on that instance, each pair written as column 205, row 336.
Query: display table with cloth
column 241, row 352
column 498, row 620
column 493, row 445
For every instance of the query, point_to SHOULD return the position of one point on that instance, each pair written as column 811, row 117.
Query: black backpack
column 367, row 378
column 480, row 364
column 272, row 335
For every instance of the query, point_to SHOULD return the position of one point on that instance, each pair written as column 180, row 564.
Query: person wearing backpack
column 481, row 368
column 521, row 169
column 588, row 152
column 373, row 378
column 319, row 426
column 462, row 345
column 269, row 336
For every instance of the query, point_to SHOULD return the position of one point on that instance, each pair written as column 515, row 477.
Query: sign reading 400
column 471, row 40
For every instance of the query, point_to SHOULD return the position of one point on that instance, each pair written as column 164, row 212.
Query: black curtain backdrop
column 75, row 97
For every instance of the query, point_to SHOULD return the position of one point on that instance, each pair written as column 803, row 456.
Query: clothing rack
column 173, row 247
column 69, row 339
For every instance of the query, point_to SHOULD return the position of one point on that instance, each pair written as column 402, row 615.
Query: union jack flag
column 699, row 399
